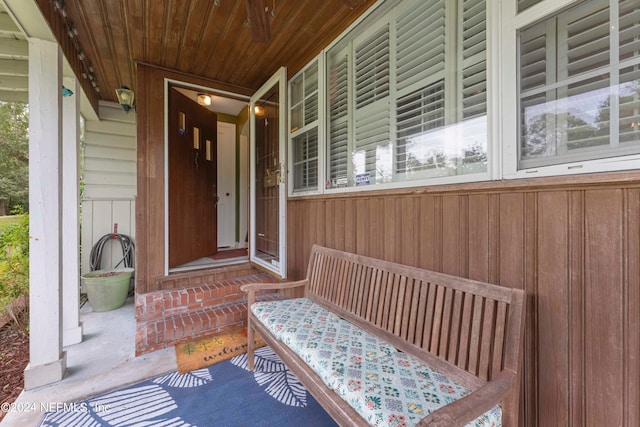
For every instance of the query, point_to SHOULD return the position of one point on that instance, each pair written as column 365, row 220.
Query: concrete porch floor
column 104, row 361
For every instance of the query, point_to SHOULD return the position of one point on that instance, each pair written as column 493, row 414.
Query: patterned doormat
column 213, row 349
column 225, row 394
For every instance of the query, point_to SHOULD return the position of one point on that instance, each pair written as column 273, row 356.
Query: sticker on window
column 363, row 179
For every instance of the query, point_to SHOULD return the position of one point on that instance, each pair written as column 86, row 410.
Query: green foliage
column 6, row 221
column 14, row 155
column 14, row 262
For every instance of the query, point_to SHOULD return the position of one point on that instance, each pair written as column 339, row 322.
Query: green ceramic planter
column 107, row 289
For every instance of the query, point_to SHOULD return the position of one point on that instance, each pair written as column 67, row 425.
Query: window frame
column 502, row 71
column 512, row 22
column 386, row 16
column 318, row 124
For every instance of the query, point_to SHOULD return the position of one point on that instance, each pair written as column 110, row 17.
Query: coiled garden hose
column 128, row 251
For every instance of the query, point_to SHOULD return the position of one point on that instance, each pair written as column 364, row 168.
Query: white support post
column 72, row 328
column 47, row 360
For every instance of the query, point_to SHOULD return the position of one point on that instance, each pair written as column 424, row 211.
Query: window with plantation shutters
column 579, row 84
column 441, row 132
column 419, row 85
column 304, row 122
column 427, row 92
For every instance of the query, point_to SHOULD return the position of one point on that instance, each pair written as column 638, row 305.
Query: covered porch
column 571, row 239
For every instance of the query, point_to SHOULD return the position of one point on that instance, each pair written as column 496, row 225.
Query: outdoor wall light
column 125, row 98
column 204, row 100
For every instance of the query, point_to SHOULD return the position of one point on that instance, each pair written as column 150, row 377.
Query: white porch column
column 72, row 328
column 47, row 361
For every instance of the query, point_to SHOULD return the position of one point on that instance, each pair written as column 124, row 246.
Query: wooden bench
column 467, row 330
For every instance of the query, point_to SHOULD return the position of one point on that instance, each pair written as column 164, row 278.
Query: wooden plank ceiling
column 207, row 38
column 14, row 65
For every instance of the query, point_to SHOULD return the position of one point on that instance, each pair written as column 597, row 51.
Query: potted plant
column 107, row 289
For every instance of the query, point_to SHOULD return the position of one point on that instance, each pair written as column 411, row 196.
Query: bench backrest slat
column 456, row 321
column 486, row 346
column 445, row 335
column 498, row 343
column 463, row 322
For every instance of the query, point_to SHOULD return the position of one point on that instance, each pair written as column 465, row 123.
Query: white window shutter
column 372, row 68
column 474, row 58
column 372, row 113
column 583, row 41
column 311, row 95
column 338, row 116
column 629, row 27
column 533, row 58
column 417, row 115
column 629, row 93
column 305, row 161
column 420, row 41
column 525, row 4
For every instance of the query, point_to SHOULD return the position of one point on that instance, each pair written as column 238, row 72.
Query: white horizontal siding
column 110, row 155
column 109, row 182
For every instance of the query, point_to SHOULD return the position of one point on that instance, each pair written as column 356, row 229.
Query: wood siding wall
column 572, row 243
column 109, row 181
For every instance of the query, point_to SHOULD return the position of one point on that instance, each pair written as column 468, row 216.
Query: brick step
column 185, row 326
column 167, row 317
column 158, row 304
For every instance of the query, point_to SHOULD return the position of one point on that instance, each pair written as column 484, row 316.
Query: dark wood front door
column 192, row 152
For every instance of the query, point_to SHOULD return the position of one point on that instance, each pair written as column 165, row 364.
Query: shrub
column 14, row 264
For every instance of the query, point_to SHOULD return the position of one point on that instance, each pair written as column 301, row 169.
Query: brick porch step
column 167, row 317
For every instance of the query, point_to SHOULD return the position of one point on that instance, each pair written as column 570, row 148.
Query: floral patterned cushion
column 385, row 386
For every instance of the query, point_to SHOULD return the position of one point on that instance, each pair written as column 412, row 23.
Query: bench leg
column 250, row 345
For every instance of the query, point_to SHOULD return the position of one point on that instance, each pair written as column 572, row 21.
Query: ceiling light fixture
column 204, row 100
column 125, row 98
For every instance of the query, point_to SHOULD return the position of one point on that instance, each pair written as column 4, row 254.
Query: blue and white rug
column 225, row 394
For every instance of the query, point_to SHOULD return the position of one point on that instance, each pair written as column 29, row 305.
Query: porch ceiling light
column 204, row 100
column 125, row 98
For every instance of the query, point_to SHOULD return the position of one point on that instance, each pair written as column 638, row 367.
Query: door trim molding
column 168, row 82
column 279, row 77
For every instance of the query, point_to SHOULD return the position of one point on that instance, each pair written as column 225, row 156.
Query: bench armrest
column 251, row 288
column 470, row 407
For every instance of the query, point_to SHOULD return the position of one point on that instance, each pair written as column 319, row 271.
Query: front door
column 192, row 153
column 268, row 214
column 227, row 185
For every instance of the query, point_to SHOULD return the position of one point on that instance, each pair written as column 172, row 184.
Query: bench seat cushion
column 385, row 386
